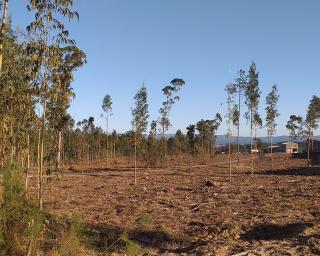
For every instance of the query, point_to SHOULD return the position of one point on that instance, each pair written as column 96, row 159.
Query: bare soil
column 196, row 210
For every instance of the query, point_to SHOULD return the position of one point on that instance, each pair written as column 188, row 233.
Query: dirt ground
column 197, row 210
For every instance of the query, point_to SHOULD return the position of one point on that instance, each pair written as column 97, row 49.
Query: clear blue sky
column 205, row 42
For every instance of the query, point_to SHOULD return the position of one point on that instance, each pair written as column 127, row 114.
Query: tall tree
column 231, row 90
column 252, row 94
column 153, row 149
column 240, row 85
column 107, row 108
column 171, row 97
column 272, row 114
column 139, row 122
column 191, row 130
column 312, row 122
column 50, row 33
column 68, row 60
column 2, row 28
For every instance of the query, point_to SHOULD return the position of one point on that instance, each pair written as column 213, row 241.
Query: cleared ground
column 197, row 211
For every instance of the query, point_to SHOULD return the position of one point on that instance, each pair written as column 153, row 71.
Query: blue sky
column 205, row 42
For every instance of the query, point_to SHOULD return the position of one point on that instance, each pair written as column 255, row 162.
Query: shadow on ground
column 104, row 239
column 311, row 171
column 275, row 231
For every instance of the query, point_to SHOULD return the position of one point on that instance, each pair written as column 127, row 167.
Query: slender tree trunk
column 3, row 23
column 251, row 140
column 58, row 162
column 12, row 144
column 28, row 161
column 308, row 150
column 38, row 164
column 238, row 130
column 107, row 139
column 271, row 153
column 43, row 128
column 135, row 159
column 229, row 142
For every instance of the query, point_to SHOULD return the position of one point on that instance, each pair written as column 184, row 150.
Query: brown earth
column 196, row 211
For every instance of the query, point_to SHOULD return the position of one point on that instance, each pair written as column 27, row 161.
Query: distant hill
column 222, row 139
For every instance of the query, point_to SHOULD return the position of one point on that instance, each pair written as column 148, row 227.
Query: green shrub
column 20, row 222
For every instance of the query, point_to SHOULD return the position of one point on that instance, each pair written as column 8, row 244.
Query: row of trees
column 36, row 72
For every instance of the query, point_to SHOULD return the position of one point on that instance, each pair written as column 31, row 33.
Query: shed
column 290, row 147
column 275, row 149
column 315, row 152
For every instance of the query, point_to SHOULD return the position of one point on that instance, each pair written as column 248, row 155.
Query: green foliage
column 313, row 113
column 272, row 111
column 145, row 219
column 21, row 223
column 131, row 248
column 140, row 112
column 107, row 104
column 170, row 93
column 295, row 126
column 70, row 242
column 207, row 132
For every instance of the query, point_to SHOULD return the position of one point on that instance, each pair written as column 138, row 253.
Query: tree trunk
column 238, row 130
column 229, row 142
column 28, row 161
column 251, row 140
column 107, row 139
column 43, row 128
column 38, row 164
column 135, row 159
column 271, row 153
column 58, row 161
column 3, row 23
column 308, row 149
column 12, row 144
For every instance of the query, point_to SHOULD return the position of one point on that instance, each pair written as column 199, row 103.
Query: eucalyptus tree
column 294, row 126
column 191, row 131
column 171, row 97
column 272, row 114
column 207, row 130
column 114, row 137
column 49, row 33
column 179, row 143
column 252, row 95
column 107, row 108
column 240, row 85
column 312, row 122
column 257, row 124
column 68, row 60
column 153, row 145
column 139, row 121
column 215, row 124
column 2, row 30
column 231, row 90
